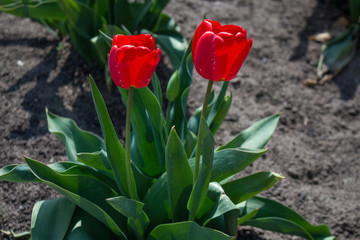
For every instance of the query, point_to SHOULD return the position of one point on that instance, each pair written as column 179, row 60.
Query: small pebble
column 20, row 63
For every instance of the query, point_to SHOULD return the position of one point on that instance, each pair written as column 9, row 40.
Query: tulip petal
column 145, row 40
column 232, row 29
column 238, row 62
column 205, row 26
column 208, row 60
column 117, row 69
column 120, row 40
column 216, row 26
column 144, row 67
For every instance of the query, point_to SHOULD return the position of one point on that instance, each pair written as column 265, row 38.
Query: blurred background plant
column 339, row 45
column 82, row 20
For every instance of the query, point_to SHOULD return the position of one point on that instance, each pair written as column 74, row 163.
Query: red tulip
column 133, row 60
column 219, row 51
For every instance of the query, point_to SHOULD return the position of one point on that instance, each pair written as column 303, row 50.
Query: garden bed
column 316, row 145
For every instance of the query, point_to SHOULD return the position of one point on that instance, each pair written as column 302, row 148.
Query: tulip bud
column 173, row 86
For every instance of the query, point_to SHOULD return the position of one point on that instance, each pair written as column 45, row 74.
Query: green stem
column 199, row 138
column 127, row 144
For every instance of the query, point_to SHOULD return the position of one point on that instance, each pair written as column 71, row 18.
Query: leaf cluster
column 168, row 204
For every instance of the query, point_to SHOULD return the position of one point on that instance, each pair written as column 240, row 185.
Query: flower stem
column 127, row 144
column 199, row 138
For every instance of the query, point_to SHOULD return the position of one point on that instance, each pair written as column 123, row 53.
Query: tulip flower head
column 133, row 59
column 219, row 51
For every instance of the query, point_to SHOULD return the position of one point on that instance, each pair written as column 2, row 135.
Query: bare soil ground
column 316, row 145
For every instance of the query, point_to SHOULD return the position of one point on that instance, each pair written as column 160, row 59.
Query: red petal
column 216, row 26
column 145, row 40
column 204, row 26
column 239, row 60
column 208, row 63
column 121, row 40
column 117, row 73
column 232, row 29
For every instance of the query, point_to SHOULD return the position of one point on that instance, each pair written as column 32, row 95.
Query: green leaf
column 128, row 207
column 231, row 161
column 122, row 13
column 276, row 217
column 17, row 173
column 247, row 216
column 81, row 43
column 190, row 143
column 22, row 173
column 101, row 47
column 96, row 160
column 157, row 204
column 218, row 102
column 185, row 231
column 75, row 139
column 244, row 188
column 200, row 188
column 256, row 136
column 132, row 209
column 86, row 192
column 139, row 10
column 51, row 218
column 48, row 9
column 178, row 111
column 81, row 17
column 153, row 13
column 179, row 177
column 220, row 114
column 165, row 23
column 157, row 88
column 85, row 227
column 69, row 168
column 172, row 42
column 216, row 205
column 147, row 144
column 143, row 182
column 114, row 149
column 216, row 111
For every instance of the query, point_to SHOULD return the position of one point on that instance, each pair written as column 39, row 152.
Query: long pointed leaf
column 231, row 161
column 51, row 218
column 217, row 205
column 132, row 209
column 244, row 188
column 179, row 177
column 256, row 136
column 86, row 192
column 75, row 139
column 186, row 231
column 85, row 227
column 276, row 217
column 114, row 149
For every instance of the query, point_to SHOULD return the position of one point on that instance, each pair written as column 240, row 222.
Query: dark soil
column 316, row 145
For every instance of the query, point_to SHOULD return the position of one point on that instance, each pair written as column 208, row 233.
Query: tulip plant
column 169, row 182
column 82, row 20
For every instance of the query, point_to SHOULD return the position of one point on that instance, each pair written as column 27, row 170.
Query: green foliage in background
column 82, row 20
